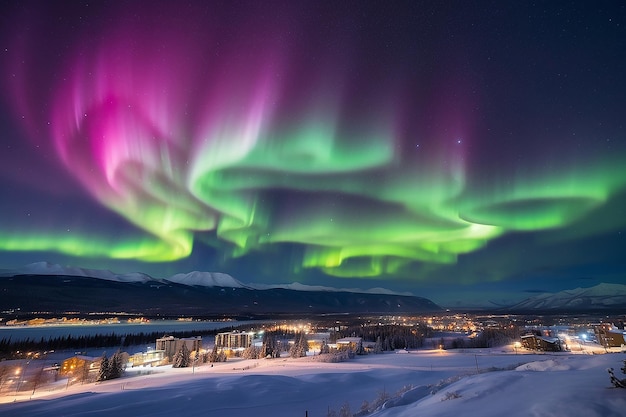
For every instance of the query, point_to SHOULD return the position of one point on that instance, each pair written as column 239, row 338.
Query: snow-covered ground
column 432, row 383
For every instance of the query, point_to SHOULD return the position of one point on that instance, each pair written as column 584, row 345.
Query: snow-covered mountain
column 206, row 279
column 602, row 296
column 195, row 278
column 54, row 289
column 47, row 268
column 296, row 286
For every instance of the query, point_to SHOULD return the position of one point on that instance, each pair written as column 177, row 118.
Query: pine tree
column 103, row 372
column 270, row 348
column 618, row 383
column 116, row 365
column 360, row 350
column 251, row 352
column 300, row 346
column 378, row 348
column 213, row 356
column 182, row 358
column 344, row 411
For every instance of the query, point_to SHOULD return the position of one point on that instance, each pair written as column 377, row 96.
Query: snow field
column 429, row 383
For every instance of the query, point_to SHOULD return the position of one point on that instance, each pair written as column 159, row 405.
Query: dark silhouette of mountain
column 58, row 294
column 602, row 297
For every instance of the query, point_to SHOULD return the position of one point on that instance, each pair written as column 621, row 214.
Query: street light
column 517, row 345
column 19, row 381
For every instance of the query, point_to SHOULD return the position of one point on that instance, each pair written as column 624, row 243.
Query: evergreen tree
column 387, row 344
column 182, row 358
column 344, row 411
column 270, row 348
column 618, row 383
column 378, row 348
column 360, row 350
column 213, row 355
column 116, row 365
column 251, row 352
column 300, row 346
column 103, row 372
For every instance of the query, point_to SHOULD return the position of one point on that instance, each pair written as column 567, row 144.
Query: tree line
column 17, row 349
column 389, row 336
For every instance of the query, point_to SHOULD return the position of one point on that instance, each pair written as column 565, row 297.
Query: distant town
column 28, row 364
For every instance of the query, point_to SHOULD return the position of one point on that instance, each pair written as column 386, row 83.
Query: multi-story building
column 234, row 340
column 170, row 345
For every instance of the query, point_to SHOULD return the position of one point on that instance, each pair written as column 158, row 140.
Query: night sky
column 469, row 152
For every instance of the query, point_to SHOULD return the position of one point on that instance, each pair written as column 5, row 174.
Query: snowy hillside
column 601, row 296
column 426, row 383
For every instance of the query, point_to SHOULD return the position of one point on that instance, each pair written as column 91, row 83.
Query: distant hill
column 598, row 298
column 194, row 294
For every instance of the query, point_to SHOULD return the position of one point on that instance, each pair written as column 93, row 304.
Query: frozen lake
column 17, row 333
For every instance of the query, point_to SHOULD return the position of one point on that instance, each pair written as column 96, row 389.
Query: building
column 170, row 345
column 541, row 343
column 349, row 343
column 315, row 341
column 149, row 358
column 79, row 366
column 610, row 336
column 234, row 340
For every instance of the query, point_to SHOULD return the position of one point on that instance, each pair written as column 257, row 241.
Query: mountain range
column 46, row 287
column 55, row 289
column 600, row 297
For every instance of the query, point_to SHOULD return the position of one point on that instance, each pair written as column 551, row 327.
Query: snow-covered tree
column 359, row 350
column 300, row 346
column 116, row 365
column 103, row 372
column 378, row 348
column 619, row 383
column 182, row 358
column 251, row 352
column 111, row 368
column 270, row 348
column 213, row 354
column 344, row 411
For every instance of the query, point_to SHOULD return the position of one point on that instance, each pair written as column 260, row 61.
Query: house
column 541, row 343
column 170, row 345
column 349, row 343
column 610, row 336
column 79, row 366
column 234, row 340
column 316, row 340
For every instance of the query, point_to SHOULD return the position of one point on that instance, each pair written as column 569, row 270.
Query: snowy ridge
column 296, row 286
column 194, row 278
column 600, row 296
column 206, row 279
column 46, row 268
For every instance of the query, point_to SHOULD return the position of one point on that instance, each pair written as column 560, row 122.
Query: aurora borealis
column 412, row 147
